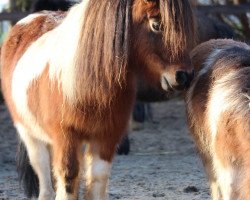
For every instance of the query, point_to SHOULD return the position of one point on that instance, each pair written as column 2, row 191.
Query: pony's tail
column 26, row 174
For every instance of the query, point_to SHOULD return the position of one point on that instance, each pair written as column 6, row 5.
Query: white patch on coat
column 97, row 174
column 225, row 178
column 29, row 18
column 215, row 191
column 66, row 40
column 61, row 193
column 29, row 67
column 55, row 48
column 40, row 161
column 222, row 97
column 225, row 95
column 206, row 67
column 209, row 62
column 221, row 100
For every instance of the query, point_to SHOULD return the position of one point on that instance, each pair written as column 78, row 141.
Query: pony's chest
column 97, row 119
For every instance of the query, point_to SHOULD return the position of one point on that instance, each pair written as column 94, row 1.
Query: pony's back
column 218, row 107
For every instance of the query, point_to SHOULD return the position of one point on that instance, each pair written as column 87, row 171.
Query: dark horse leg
column 124, row 146
column 1, row 98
column 138, row 116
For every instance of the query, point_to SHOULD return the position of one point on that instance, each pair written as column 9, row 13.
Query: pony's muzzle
column 179, row 81
column 183, row 79
column 165, row 83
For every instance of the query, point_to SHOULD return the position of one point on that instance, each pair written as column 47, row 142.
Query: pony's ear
column 152, row 8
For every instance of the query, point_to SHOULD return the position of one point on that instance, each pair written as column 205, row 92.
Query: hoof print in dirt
column 124, row 146
column 191, row 189
column 157, row 194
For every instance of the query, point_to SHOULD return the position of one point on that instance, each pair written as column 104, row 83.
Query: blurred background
column 215, row 16
column 163, row 144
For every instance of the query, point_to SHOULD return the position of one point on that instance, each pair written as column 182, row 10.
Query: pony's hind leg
column 97, row 170
column 214, row 186
column 39, row 159
column 66, row 165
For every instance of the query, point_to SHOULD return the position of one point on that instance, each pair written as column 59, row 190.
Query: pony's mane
column 103, row 51
column 179, row 33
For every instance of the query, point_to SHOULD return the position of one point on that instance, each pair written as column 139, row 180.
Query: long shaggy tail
column 27, row 176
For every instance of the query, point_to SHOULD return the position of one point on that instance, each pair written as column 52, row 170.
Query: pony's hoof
column 47, row 196
column 124, row 146
column 1, row 98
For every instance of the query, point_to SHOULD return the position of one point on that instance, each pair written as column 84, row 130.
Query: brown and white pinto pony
column 69, row 79
column 218, row 108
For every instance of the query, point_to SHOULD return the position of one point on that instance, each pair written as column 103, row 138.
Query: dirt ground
column 162, row 163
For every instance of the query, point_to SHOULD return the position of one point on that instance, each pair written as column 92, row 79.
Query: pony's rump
column 218, row 109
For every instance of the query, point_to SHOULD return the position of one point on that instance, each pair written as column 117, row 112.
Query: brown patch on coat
column 232, row 148
column 63, row 122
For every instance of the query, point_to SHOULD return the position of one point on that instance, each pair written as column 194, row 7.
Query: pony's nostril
column 182, row 78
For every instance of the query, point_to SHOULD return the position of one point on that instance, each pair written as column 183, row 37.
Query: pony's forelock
column 179, row 33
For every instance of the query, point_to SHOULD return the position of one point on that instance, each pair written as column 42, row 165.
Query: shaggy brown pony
column 218, row 108
column 70, row 79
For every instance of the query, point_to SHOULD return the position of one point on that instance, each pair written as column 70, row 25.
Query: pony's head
column 164, row 34
column 148, row 36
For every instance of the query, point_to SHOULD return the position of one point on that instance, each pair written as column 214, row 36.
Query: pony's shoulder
column 29, row 29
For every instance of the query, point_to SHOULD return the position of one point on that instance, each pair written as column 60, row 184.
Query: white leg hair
column 221, row 100
column 96, row 175
column 214, row 186
column 61, row 193
column 224, row 179
column 40, row 160
column 215, row 191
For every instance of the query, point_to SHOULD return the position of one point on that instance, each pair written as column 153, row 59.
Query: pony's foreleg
column 40, row 161
column 97, row 170
column 66, row 164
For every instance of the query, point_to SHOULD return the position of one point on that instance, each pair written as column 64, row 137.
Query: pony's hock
column 70, row 79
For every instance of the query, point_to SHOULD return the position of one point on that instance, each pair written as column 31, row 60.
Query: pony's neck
column 92, row 45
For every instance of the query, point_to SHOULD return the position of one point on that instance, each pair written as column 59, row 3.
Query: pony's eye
column 155, row 26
